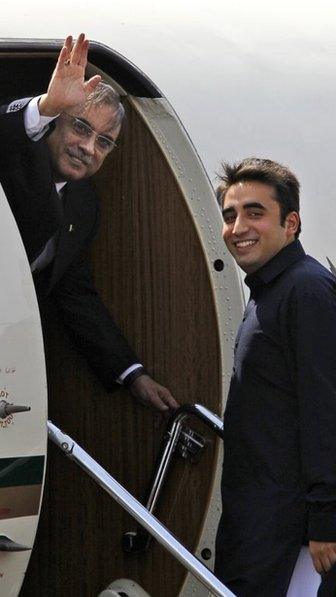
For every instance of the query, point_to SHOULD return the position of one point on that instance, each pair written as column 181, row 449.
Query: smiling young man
column 49, row 148
column 279, row 473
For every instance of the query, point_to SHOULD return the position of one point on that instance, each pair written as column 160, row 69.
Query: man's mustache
column 80, row 154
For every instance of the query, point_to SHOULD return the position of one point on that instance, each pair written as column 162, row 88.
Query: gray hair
column 105, row 95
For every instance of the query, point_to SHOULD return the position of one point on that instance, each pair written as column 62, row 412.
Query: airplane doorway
column 161, row 269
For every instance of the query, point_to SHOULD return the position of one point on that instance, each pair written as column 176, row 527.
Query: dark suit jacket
column 27, row 179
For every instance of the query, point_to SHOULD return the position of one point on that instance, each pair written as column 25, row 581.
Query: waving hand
column 67, row 87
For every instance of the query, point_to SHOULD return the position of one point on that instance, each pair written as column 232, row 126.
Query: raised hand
column 67, row 88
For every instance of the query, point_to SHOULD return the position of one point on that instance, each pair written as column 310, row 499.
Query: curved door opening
column 161, row 269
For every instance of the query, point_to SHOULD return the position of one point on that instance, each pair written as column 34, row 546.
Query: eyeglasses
column 84, row 130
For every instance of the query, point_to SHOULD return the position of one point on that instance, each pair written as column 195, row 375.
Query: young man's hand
column 323, row 554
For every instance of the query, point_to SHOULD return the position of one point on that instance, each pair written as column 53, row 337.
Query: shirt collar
column 275, row 266
column 59, row 186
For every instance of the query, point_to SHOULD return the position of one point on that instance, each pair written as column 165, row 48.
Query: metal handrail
column 139, row 540
column 205, row 415
column 173, row 431
column 140, row 513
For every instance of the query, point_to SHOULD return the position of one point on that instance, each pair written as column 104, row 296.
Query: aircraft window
column 218, row 265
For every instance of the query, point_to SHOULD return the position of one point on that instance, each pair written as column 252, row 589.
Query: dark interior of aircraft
column 150, row 268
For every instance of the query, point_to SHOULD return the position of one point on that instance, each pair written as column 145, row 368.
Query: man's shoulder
column 13, row 134
column 14, row 105
column 308, row 268
column 307, row 275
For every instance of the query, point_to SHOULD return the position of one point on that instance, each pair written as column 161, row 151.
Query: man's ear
column 292, row 223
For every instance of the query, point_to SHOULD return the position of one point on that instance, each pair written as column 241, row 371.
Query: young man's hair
column 105, row 95
column 283, row 181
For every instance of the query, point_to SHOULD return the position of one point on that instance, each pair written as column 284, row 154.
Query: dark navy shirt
column 279, row 476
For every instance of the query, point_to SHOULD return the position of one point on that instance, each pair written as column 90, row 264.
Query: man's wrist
column 46, row 109
column 36, row 125
column 131, row 377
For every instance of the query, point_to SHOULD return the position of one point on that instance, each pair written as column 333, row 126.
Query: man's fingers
column 164, row 401
column 154, row 399
column 65, row 52
column 84, row 53
column 157, row 402
column 67, row 47
column 153, row 394
column 168, row 399
column 66, row 87
column 317, row 563
column 68, row 43
column 63, row 56
column 329, row 561
column 323, row 555
column 79, row 51
column 91, row 84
